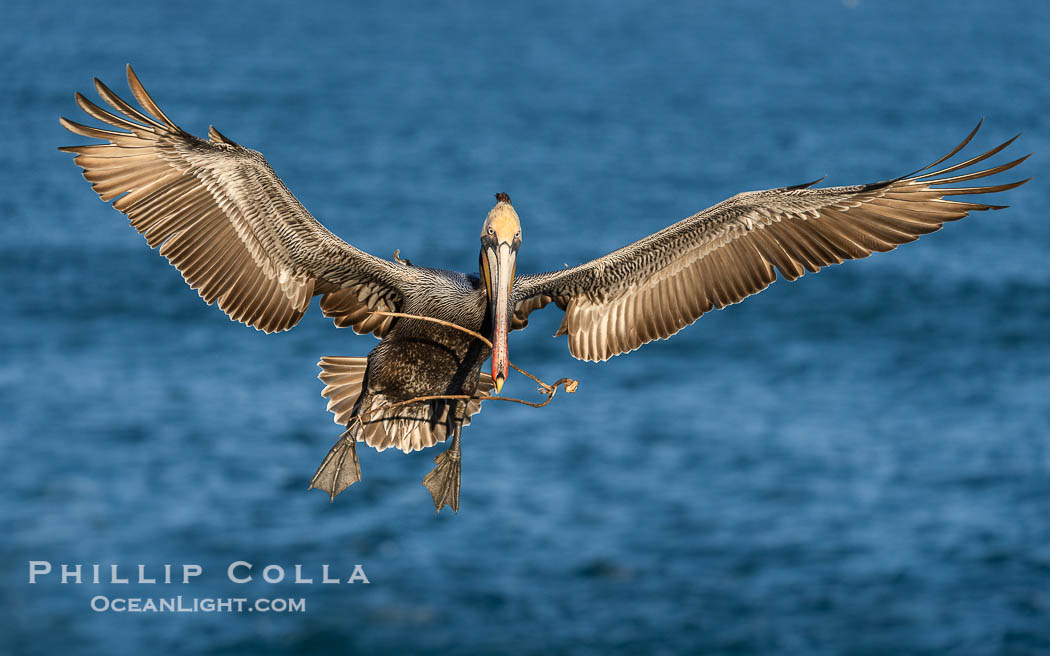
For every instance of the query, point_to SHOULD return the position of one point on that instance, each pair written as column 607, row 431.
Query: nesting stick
column 569, row 384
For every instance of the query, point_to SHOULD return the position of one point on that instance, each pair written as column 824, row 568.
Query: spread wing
column 658, row 285
column 223, row 218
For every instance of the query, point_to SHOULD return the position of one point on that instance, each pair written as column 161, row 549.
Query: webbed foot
column 340, row 469
column 443, row 480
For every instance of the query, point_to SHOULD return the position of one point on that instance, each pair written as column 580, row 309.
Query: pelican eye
column 491, row 231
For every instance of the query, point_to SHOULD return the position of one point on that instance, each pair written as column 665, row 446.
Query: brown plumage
column 658, row 285
column 223, row 218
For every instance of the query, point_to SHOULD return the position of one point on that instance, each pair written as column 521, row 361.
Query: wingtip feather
column 139, row 91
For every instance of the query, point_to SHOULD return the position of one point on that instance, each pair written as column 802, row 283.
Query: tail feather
column 344, row 381
column 409, row 428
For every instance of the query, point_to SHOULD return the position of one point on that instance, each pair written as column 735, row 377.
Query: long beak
column 500, row 262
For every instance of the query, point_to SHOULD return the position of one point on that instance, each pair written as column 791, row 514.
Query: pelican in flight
column 223, row 218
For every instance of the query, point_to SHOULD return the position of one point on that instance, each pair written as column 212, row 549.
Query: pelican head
column 500, row 241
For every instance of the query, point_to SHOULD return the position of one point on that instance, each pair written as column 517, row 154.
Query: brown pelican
column 224, row 219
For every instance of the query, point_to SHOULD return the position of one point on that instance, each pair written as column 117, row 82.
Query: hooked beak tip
column 499, row 382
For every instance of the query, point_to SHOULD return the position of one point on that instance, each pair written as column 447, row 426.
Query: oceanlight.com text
column 180, row 604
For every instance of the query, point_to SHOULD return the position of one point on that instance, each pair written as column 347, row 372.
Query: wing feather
column 656, row 286
column 223, row 218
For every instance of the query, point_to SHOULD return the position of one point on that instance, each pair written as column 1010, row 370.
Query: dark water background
column 855, row 463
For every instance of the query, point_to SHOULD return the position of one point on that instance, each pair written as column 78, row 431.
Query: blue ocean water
column 858, row 462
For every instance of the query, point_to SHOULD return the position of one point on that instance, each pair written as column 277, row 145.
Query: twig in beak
column 569, row 384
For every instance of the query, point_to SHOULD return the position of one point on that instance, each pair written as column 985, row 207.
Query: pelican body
column 223, row 218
